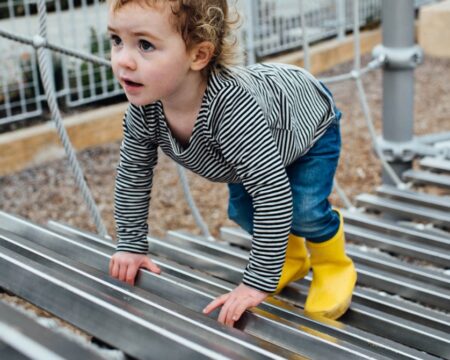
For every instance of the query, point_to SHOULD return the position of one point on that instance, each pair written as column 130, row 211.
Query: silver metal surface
column 390, row 305
column 400, row 233
column 177, row 327
column 399, row 208
column 392, row 244
column 197, row 259
column 35, row 341
column 278, row 331
column 435, row 163
column 93, row 252
column 441, row 203
column 425, row 177
column 280, row 309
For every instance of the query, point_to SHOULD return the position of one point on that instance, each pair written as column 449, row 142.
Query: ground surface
column 48, row 192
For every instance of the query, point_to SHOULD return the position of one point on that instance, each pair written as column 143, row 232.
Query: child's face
column 148, row 56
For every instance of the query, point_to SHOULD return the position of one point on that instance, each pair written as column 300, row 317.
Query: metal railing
column 275, row 26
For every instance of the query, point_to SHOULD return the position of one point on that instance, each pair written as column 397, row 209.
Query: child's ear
column 202, row 54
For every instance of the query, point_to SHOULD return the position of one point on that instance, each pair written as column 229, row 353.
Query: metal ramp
column 399, row 310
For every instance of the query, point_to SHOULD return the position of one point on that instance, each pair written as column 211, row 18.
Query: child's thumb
column 150, row 265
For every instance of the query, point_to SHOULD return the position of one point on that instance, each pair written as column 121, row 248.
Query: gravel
column 48, row 192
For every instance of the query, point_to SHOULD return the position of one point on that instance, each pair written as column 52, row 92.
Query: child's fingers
column 150, row 265
column 239, row 309
column 115, row 270
column 123, row 272
column 224, row 316
column 111, row 266
column 131, row 274
column 215, row 303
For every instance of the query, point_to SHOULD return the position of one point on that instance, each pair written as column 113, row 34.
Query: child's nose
column 126, row 60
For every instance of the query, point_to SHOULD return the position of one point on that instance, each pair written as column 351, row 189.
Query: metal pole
column 398, row 83
column 250, row 35
column 341, row 21
column 306, row 60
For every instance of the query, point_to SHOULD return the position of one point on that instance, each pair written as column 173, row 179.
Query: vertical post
column 341, row 21
column 398, row 82
column 249, row 28
column 305, row 45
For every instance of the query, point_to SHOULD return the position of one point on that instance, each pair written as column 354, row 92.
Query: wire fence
column 275, row 26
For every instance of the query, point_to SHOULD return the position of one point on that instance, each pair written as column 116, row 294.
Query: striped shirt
column 252, row 123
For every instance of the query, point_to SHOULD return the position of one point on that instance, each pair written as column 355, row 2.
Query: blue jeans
column 311, row 177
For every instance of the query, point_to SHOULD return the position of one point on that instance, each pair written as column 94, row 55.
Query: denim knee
column 240, row 207
column 316, row 225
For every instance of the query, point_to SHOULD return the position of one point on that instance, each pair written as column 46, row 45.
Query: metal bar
column 181, row 332
column 386, row 304
column 281, row 331
column 192, row 257
column 407, row 196
column 408, row 281
column 35, row 282
column 387, row 227
column 36, row 341
column 394, row 266
column 408, row 210
column 298, row 318
column 410, row 330
column 375, row 311
column 425, row 177
column 398, row 83
column 435, row 163
column 434, row 138
column 392, row 244
column 385, row 263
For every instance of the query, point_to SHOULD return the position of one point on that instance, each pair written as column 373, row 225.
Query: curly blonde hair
column 198, row 21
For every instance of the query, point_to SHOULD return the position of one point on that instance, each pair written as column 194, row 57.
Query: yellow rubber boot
column 297, row 264
column 334, row 277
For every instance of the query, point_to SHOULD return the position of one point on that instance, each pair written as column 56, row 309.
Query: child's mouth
column 132, row 83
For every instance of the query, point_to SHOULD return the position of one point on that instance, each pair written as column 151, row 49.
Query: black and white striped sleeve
column 138, row 157
column 247, row 143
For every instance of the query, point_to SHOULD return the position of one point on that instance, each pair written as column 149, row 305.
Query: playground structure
column 358, row 335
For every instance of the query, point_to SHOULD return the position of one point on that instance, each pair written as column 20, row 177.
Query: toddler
column 270, row 131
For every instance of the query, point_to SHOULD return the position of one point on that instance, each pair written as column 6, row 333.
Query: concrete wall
column 434, row 29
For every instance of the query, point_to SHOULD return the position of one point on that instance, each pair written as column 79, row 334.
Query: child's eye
column 146, row 45
column 115, row 40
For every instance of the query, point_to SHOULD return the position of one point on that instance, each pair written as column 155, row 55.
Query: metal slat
column 425, row 177
column 291, row 337
column 149, row 328
column 34, row 282
column 10, row 353
column 392, row 244
column 214, row 265
column 435, row 163
column 378, row 276
column 186, row 296
column 401, row 209
column 299, row 319
column 36, row 341
column 440, row 203
column 393, row 306
column 409, row 235
column 391, row 265
column 221, row 286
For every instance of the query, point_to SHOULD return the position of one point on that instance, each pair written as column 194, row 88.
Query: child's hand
column 235, row 303
column 124, row 266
